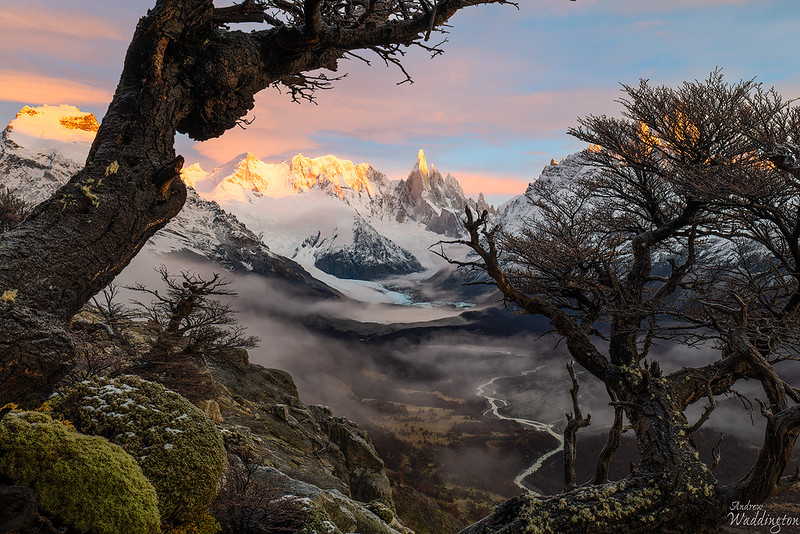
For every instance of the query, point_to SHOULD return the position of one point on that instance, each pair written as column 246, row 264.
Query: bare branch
column 707, row 412
column 764, row 479
column 716, row 453
column 575, row 421
column 611, row 445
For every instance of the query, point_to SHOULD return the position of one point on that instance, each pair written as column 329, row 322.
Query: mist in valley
column 363, row 359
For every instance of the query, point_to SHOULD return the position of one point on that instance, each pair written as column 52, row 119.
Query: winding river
column 488, row 392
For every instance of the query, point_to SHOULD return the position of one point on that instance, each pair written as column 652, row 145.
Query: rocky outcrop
column 436, row 202
column 347, row 514
column 432, row 200
column 304, row 449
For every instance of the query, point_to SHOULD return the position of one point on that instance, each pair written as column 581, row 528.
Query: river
column 488, row 391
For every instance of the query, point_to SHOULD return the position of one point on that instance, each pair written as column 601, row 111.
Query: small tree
column 189, row 325
column 686, row 232
column 247, row 505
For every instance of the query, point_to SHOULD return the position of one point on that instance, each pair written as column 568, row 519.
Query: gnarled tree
column 687, row 231
column 185, row 71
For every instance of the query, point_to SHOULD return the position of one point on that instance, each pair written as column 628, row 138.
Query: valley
column 464, row 399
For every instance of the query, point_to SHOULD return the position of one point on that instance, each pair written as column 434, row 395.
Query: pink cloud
column 57, row 34
column 475, row 183
column 38, row 22
column 368, row 107
column 35, row 89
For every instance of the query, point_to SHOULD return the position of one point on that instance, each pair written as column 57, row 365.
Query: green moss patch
column 85, row 481
column 177, row 446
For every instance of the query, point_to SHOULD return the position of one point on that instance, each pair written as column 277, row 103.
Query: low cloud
column 36, row 89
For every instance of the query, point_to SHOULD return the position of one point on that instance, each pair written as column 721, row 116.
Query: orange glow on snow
column 60, row 123
column 330, row 169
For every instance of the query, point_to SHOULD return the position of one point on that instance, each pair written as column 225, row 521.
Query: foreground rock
column 305, row 451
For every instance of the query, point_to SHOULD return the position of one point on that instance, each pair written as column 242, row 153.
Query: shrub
column 177, row 446
column 246, row 505
column 84, row 481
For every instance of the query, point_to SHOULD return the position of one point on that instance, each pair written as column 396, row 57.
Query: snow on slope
column 42, row 147
column 573, row 169
column 346, row 223
column 561, row 174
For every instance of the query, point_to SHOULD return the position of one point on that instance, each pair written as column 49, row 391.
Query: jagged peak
column 422, row 165
column 329, row 169
column 295, row 175
column 192, row 174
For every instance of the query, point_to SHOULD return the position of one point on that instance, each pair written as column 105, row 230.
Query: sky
column 492, row 110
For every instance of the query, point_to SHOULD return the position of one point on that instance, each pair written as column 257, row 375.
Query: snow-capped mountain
column 558, row 174
column 43, row 147
column 345, row 226
column 563, row 176
column 436, row 202
column 364, row 255
column 339, row 219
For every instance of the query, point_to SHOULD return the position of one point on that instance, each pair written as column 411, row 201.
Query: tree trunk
column 76, row 242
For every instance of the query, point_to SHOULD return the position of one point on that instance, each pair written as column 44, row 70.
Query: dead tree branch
column 575, row 421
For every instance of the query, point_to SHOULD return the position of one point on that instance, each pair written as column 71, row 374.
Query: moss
column 9, row 295
column 604, row 504
column 85, row 481
column 317, row 521
column 112, row 168
column 205, row 524
column 87, row 192
column 177, row 446
column 381, row 510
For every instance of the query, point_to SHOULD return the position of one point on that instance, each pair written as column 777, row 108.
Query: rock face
column 436, row 202
column 367, row 255
column 306, row 450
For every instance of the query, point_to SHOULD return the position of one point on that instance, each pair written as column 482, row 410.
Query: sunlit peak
column 193, row 174
column 421, row 163
column 60, row 123
column 63, row 130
